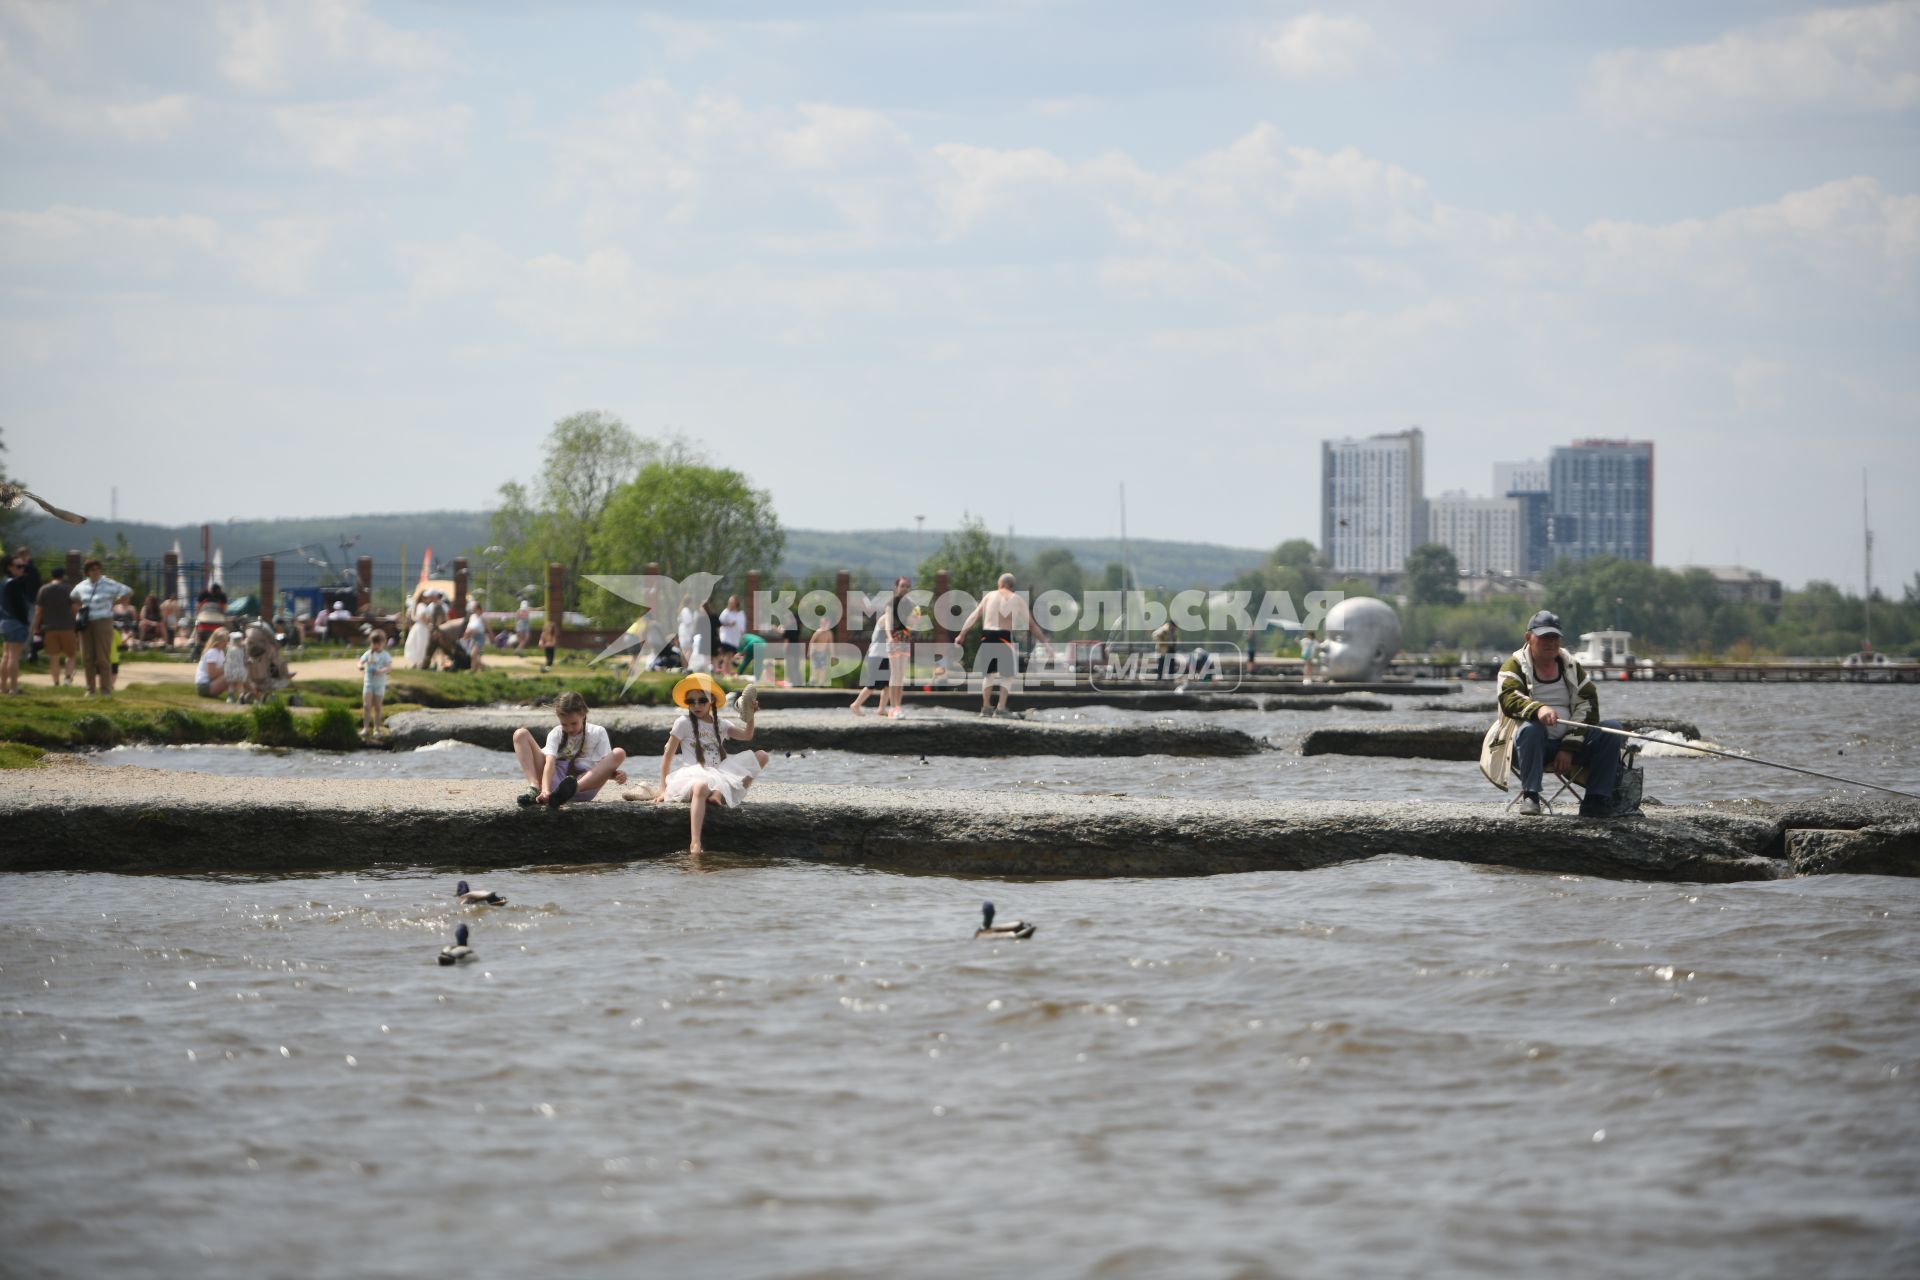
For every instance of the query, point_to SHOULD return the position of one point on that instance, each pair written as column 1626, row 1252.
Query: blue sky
column 895, row 259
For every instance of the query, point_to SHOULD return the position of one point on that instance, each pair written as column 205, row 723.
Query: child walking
column 576, row 762
column 376, row 662
column 239, row 688
column 549, row 640
column 706, row 773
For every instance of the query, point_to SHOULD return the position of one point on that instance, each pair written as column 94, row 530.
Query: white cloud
column 28, row 95
column 274, row 255
column 370, row 136
column 1321, row 46
column 1864, row 59
column 271, row 48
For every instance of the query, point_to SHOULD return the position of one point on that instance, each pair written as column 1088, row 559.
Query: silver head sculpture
column 1363, row 634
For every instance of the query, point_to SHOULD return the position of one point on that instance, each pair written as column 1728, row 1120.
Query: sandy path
column 180, row 671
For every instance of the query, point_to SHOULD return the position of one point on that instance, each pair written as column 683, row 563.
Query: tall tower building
column 1602, row 500
column 1484, row 534
column 1528, row 485
column 1373, row 507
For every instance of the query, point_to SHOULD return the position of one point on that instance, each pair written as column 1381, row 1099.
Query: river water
column 735, row 1067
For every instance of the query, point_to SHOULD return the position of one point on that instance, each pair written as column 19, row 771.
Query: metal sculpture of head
column 1363, row 634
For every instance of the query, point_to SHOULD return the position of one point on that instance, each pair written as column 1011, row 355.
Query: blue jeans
column 1600, row 754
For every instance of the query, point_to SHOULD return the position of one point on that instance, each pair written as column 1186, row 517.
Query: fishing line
column 1715, row 751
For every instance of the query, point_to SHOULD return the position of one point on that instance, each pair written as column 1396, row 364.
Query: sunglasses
column 697, row 699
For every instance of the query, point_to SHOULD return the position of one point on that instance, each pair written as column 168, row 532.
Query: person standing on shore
column 93, row 605
column 733, row 626
column 53, row 622
column 1001, row 613
column 376, row 662
column 522, row 627
column 16, row 623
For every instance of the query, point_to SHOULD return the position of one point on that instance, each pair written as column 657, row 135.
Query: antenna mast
column 1866, row 642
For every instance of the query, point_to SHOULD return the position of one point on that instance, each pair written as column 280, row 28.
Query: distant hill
column 871, row 555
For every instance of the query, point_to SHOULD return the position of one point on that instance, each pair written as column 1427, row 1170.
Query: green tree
column 589, row 457
column 1433, row 575
column 688, row 518
column 973, row 558
column 9, row 516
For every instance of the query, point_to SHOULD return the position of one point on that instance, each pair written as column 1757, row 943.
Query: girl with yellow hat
column 696, row 765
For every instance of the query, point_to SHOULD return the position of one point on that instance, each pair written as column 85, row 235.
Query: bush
column 273, row 725
column 335, row 729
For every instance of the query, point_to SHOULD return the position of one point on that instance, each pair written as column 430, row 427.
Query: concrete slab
column 642, row 731
column 78, row 816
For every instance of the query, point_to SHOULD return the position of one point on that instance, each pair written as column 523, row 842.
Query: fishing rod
column 1715, row 751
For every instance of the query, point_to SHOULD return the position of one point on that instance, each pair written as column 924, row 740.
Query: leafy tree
column 9, row 517
column 688, row 518
column 589, row 457
column 973, row 558
column 1433, row 575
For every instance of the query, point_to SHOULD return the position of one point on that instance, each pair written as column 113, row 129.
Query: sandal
column 563, row 792
column 529, row 797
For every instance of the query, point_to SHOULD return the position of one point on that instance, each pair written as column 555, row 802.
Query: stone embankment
column 642, row 731
column 1442, row 742
column 1260, row 695
column 77, row 816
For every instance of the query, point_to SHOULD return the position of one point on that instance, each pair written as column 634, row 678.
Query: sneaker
column 563, row 792
column 529, row 797
column 1531, row 805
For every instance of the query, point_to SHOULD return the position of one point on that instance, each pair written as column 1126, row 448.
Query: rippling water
column 737, row 1067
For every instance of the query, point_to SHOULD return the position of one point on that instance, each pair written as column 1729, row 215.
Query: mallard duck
column 1010, row 929
column 477, row 897
column 459, row 951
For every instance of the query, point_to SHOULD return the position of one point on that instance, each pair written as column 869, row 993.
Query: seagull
column 477, row 897
column 1010, row 929
column 13, row 495
column 459, row 950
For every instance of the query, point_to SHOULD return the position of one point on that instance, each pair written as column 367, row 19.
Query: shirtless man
column 1000, row 614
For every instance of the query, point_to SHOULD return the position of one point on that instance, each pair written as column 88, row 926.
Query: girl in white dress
column 422, row 618
column 707, row 773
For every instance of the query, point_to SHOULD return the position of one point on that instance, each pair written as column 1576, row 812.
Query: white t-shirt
column 684, row 729
column 882, row 633
column 686, row 620
column 696, row 655
column 596, row 747
column 1557, row 694
column 733, row 625
column 213, row 665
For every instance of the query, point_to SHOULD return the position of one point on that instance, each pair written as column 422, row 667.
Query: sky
column 898, row 259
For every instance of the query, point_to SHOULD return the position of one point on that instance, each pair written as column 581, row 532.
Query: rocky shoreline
column 1443, row 742
column 74, row 816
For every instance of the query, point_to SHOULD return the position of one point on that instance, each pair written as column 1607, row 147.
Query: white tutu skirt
column 726, row 782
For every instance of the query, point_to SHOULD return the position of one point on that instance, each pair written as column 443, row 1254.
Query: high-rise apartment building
column 1602, row 500
column 1484, row 534
column 1373, row 508
column 1528, row 484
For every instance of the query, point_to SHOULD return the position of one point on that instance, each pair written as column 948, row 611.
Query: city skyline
column 997, row 259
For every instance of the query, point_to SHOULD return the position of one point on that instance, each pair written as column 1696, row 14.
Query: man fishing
column 1555, row 701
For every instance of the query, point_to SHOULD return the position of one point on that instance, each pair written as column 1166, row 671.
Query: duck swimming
column 477, row 897
column 459, row 951
column 1010, row 929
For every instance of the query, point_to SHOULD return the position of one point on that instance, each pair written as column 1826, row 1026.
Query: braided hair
column 719, row 738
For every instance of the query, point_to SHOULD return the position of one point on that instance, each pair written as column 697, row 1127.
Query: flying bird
column 13, row 495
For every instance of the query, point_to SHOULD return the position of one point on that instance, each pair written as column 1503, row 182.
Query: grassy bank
column 327, row 713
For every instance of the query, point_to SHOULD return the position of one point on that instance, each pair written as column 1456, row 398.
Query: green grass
column 61, row 719
column 328, row 717
column 18, row 755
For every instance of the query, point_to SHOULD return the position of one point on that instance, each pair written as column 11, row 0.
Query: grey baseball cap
column 1544, row 623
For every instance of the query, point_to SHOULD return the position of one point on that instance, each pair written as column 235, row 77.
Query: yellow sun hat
column 705, row 683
